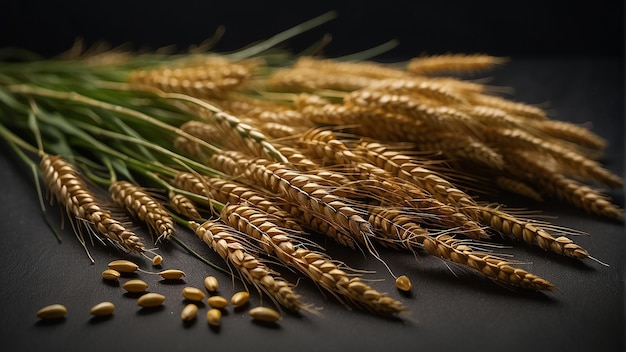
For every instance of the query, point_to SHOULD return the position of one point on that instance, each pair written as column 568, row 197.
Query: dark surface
column 544, row 27
column 449, row 310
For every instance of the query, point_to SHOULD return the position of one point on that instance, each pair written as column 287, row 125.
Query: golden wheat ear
column 67, row 188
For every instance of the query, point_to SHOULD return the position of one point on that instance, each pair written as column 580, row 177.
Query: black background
column 566, row 56
column 495, row 27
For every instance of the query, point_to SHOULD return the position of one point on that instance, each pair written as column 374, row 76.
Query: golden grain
column 172, row 274
column 217, row 302
column 157, row 260
column 403, row 283
column 240, row 299
column 110, row 274
column 150, row 300
column 214, row 316
column 123, row 266
column 193, row 294
column 53, row 311
column 102, row 309
column 264, row 314
column 135, row 286
column 211, row 283
column 189, row 312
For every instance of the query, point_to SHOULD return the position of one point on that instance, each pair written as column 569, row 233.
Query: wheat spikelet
column 184, row 206
column 143, row 206
column 398, row 226
column 225, row 137
column 263, row 111
column 68, row 189
column 324, row 144
column 277, row 130
column 302, row 100
column 226, row 162
column 494, row 117
column 334, row 277
column 452, row 63
column 224, row 240
column 225, row 191
column 531, row 233
column 298, row 160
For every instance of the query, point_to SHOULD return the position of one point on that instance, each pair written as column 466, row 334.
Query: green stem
column 282, row 36
column 75, row 97
column 163, row 169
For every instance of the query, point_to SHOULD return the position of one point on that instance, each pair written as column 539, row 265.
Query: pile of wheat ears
column 258, row 150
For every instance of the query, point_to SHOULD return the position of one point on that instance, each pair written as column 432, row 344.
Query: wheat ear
column 454, row 63
column 531, row 233
column 140, row 204
column 68, row 189
column 184, row 206
column 397, row 226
